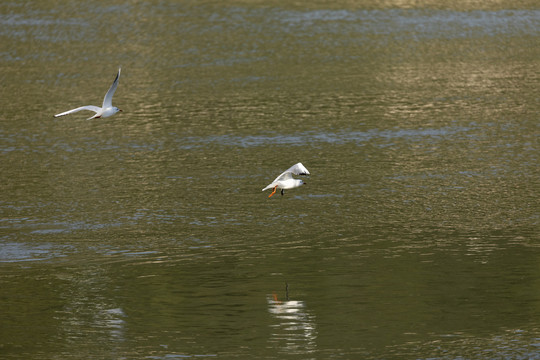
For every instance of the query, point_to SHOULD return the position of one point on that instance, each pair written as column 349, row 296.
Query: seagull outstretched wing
column 296, row 169
column 93, row 108
column 107, row 100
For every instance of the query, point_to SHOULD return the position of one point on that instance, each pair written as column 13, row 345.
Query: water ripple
column 310, row 137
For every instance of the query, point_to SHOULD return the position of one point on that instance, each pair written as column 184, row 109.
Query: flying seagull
column 286, row 181
column 100, row 112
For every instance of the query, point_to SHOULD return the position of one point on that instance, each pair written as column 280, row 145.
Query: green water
column 146, row 235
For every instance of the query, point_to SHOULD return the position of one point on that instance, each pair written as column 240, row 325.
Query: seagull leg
column 273, row 191
column 281, row 192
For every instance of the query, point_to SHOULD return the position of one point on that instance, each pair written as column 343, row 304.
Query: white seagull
column 100, row 112
column 286, row 181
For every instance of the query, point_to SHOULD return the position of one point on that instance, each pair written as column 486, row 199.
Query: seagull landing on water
column 100, row 112
column 285, row 181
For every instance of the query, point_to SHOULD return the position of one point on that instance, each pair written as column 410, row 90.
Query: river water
column 146, row 235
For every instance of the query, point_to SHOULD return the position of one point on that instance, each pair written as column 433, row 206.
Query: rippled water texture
column 146, row 235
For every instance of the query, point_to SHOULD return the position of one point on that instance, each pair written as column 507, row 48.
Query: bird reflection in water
column 294, row 329
column 90, row 315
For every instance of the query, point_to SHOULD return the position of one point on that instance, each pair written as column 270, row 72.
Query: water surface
column 146, row 235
